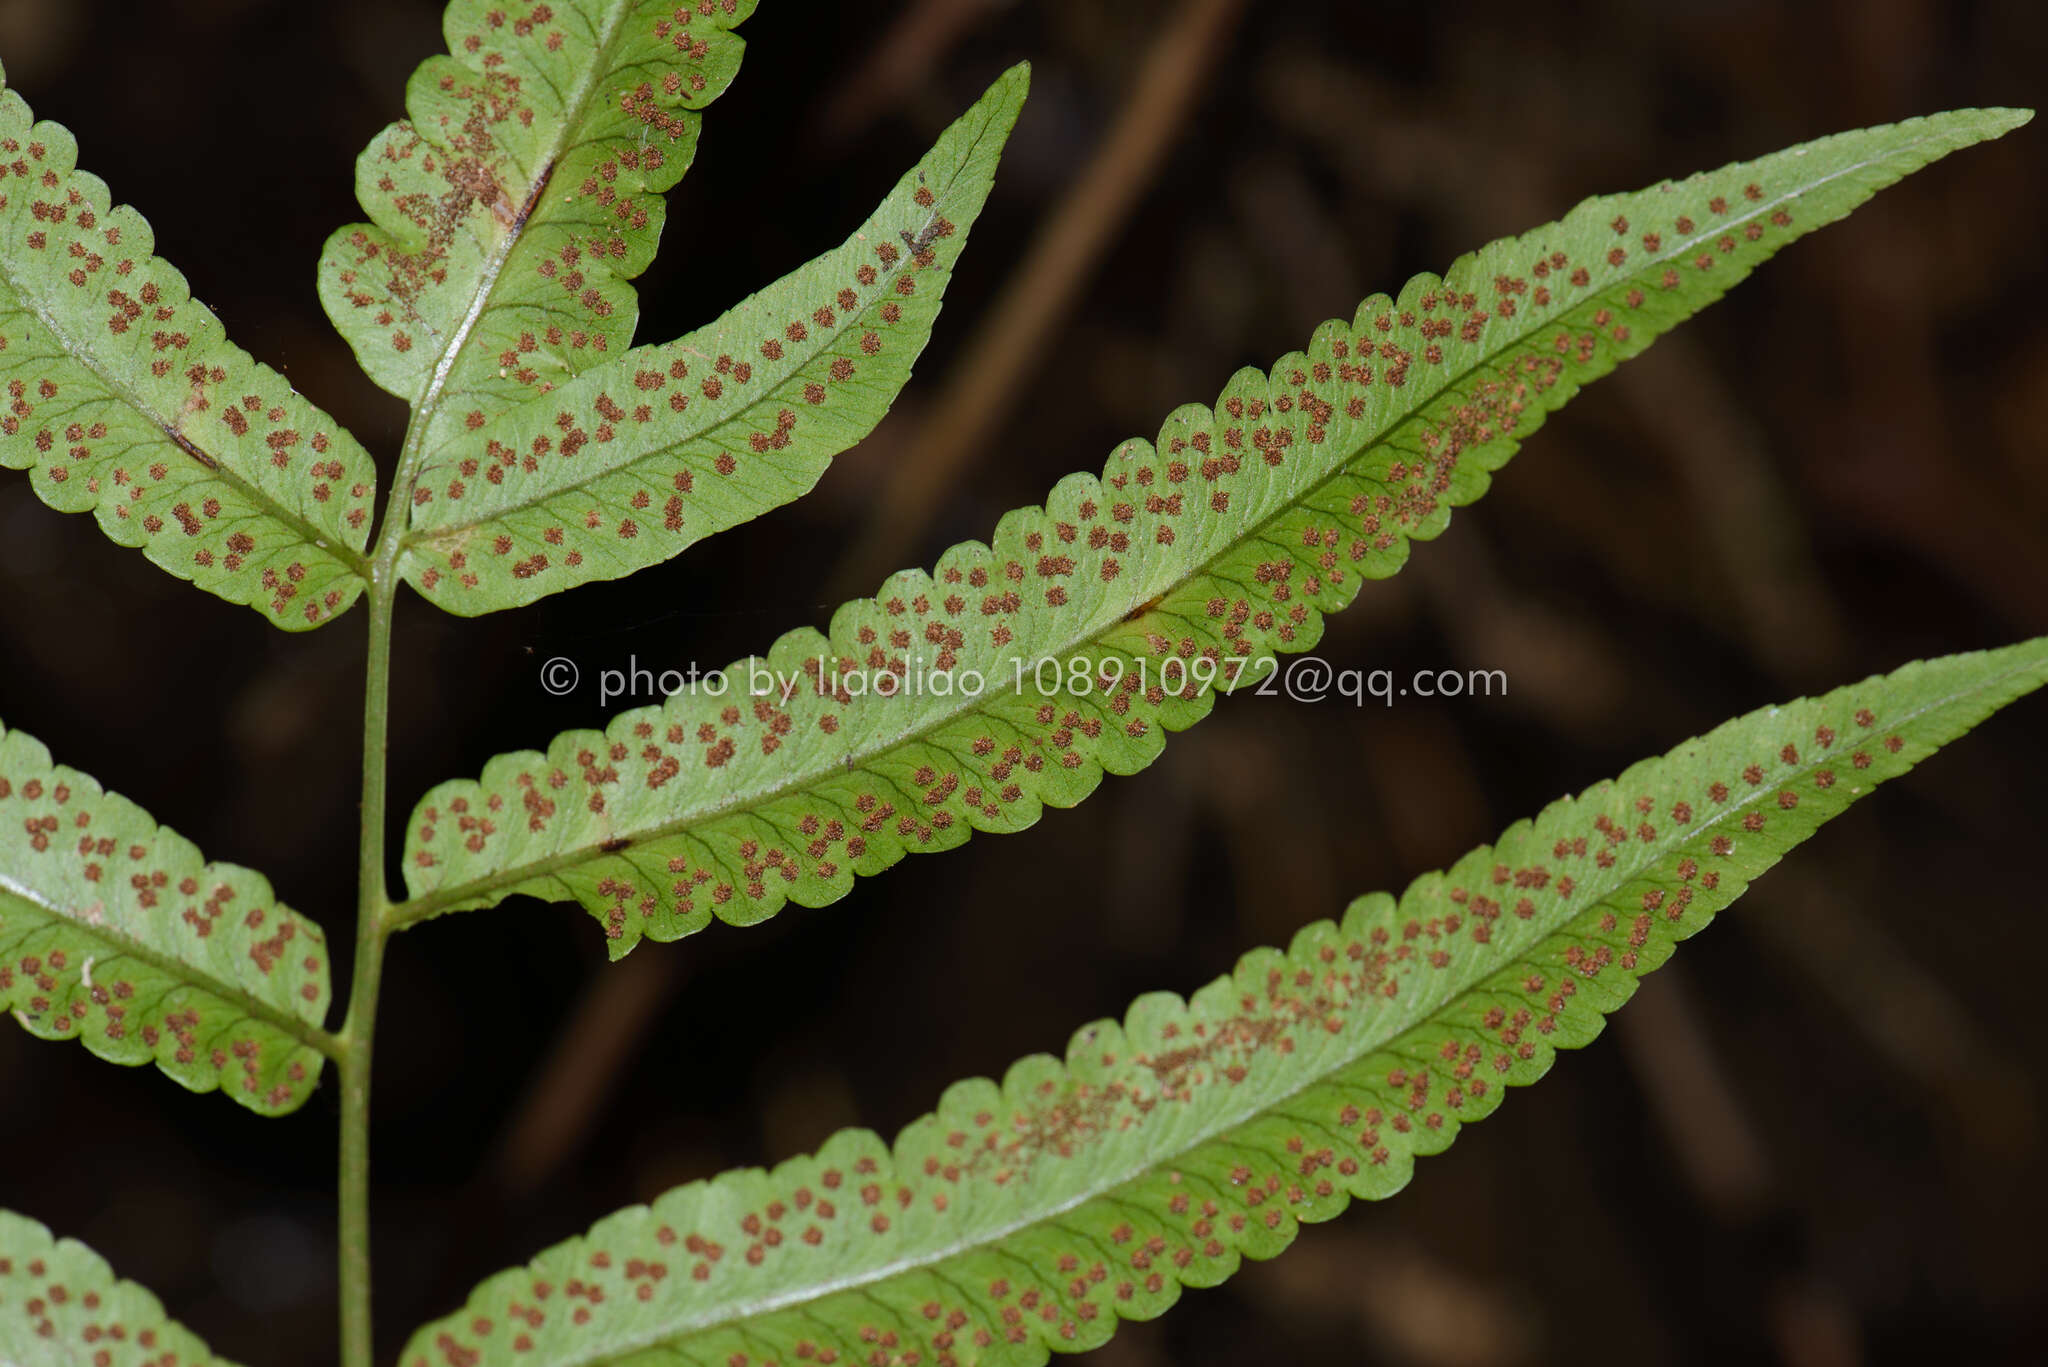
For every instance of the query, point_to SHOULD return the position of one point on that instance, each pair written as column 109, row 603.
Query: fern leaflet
column 61, row 1305
column 124, row 398
column 116, row 933
column 1098, row 623
column 1032, row 1216
column 521, row 194
column 645, row 454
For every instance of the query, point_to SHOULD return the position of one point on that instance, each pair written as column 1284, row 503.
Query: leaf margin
column 90, row 1284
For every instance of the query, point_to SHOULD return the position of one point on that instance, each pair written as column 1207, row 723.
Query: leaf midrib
column 427, row 404
column 1456, row 990
column 307, row 1033
column 433, row 903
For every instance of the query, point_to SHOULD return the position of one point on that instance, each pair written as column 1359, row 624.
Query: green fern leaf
column 522, row 193
column 115, row 932
column 124, row 398
column 1096, row 624
column 643, row 455
column 61, row 1306
column 1033, row 1215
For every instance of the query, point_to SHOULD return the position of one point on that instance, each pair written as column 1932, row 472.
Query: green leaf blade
column 64, row 1306
column 642, row 456
column 124, row 398
column 514, row 205
column 115, row 932
column 1191, row 564
column 1031, row 1217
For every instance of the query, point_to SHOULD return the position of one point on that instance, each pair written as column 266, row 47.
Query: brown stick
column 984, row 380
column 903, row 60
column 1717, row 1147
column 568, row 1092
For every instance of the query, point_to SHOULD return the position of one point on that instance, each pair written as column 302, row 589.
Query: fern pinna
column 1184, row 569
column 1033, row 1215
column 125, row 399
column 114, row 932
column 491, row 289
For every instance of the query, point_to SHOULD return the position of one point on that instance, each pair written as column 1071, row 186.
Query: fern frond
column 1096, row 624
column 125, row 399
column 520, row 195
column 1030, row 1217
column 115, row 932
column 647, row 453
column 61, row 1306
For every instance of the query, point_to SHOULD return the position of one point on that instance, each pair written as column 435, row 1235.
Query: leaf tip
column 1998, row 120
column 1010, row 89
column 1987, row 123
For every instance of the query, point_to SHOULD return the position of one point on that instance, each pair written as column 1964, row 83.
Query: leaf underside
column 124, row 398
column 521, row 195
column 1226, row 540
column 647, row 453
column 1033, row 1215
column 115, row 932
column 61, row 1305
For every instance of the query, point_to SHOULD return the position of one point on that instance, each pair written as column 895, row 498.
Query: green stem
column 373, row 902
column 374, row 924
column 358, row 1030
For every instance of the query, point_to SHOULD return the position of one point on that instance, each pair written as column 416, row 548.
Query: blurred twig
column 1812, row 1325
column 985, row 378
column 902, row 60
column 1753, row 528
column 1902, row 1011
column 570, row 1088
column 1674, row 1062
column 1423, row 1309
column 1723, row 1159
column 1562, row 667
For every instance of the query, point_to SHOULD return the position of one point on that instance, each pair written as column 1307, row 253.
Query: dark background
column 1815, row 1140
